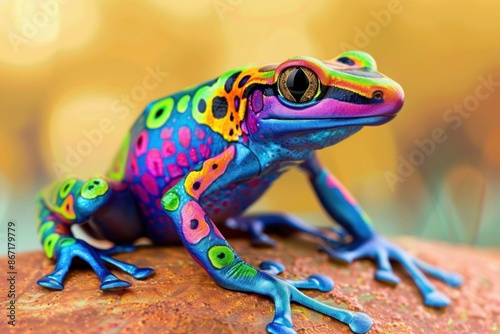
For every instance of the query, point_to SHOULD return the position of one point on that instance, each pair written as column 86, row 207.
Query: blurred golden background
column 432, row 172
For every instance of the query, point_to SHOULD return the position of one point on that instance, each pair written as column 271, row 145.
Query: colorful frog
column 200, row 157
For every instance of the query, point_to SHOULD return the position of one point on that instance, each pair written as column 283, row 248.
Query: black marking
column 194, row 224
column 159, row 112
column 348, row 96
column 346, row 61
column 214, row 166
column 243, row 81
column 91, row 187
column 237, row 127
column 66, row 187
column 96, row 182
column 269, row 91
column 231, row 117
column 221, row 256
column 196, row 185
column 219, row 107
column 202, row 106
column 139, row 142
column 230, row 82
column 231, row 132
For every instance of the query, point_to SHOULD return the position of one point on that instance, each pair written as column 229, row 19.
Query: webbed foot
column 94, row 257
column 382, row 251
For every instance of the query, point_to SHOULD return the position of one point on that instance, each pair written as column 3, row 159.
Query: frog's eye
column 298, row 84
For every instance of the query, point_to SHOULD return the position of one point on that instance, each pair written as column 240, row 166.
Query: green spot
column 159, row 113
column 67, row 241
column 50, row 243
column 94, row 188
column 242, row 270
column 183, row 103
column 45, row 226
column 118, row 169
column 170, row 201
column 66, row 188
column 220, row 256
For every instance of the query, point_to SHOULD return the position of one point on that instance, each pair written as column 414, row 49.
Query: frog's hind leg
column 69, row 202
column 256, row 226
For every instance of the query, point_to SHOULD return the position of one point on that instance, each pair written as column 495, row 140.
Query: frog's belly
column 221, row 204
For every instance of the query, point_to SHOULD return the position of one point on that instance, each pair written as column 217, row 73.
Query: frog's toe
column 141, row 273
column 321, row 282
column 272, row 267
column 112, row 282
column 263, row 241
column 360, row 323
column 387, row 277
column 452, row 279
column 436, row 299
column 50, row 283
column 276, row 328
column 344, row 256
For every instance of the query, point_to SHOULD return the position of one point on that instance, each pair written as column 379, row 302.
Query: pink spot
column 141, row 143
column 185, row 136
column 193, row 154
column 257, row 100
column 253, row 183
column 205, row 151
column 168, row 148
column 166, row 133
column 142, row 194
column 224, row 203
column 194, row 225
column 133, row 165
column 216, row 211
column 174, row 171
column 154, row 162
column 182, row 159
column 149, row 182
column 199, row 133
column 210, row 140
column 158, row 205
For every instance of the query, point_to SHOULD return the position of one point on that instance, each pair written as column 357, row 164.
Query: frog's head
column 304, row 103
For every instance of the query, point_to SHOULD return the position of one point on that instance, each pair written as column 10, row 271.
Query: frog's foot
column 256, row 225
column 77, row 248
column 285, row 292
column 382, row 251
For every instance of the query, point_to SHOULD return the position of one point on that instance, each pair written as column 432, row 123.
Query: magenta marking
column 210, row 140
column 174, row 171
column 199, row 133
column 149, row 182
column 253, row 183
column 154, row 162
column 193, row 154
column 205, row 151
column 168, row 148
column 166, row 133
column 182, row 159
column 133, row 165
column 141, row 143
column 185, row 136
column 257, row 100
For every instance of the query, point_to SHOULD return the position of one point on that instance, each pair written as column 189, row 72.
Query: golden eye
column 298, row 84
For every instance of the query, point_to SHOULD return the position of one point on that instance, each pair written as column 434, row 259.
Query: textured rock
column 181, row 298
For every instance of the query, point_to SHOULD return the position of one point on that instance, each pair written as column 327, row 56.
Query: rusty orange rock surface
column 181, row 297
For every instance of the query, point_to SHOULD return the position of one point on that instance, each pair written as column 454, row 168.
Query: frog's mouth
column 281, row 126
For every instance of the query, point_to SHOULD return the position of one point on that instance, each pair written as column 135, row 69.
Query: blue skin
column 277, row 133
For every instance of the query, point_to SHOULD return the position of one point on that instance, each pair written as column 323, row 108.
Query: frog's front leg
column 69, row 202
column 367, row 243
column 209, row 248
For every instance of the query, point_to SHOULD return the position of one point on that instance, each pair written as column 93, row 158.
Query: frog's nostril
column 91, row 187
column 378, row 95
column 96, row 182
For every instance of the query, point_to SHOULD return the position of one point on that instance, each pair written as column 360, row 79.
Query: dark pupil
column 297, row 83
column 221, row 256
